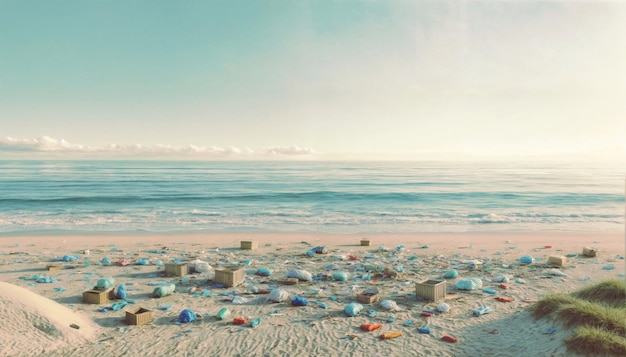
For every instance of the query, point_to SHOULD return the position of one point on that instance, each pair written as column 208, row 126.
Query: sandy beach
column 44, row 312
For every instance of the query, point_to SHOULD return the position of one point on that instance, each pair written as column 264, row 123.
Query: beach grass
column 598, row 314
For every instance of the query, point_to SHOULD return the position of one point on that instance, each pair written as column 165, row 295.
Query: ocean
column 126, row 197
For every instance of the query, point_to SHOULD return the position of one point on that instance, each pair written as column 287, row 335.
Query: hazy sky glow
column 316, row 79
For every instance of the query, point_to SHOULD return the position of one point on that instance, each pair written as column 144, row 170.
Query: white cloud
column 47, row 144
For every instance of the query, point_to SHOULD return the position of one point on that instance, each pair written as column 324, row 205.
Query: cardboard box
column 590, row 252
column 138, row 316
column 431, row 289
column 558, row 260
column 231, row 276
column 96, row 296
column 176, row 269
column 365, row 242
column 368, row 296
column 246, row 244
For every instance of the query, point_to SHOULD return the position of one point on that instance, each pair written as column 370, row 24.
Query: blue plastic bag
column 121, row 292
column 353, row 309
column 187, row 315
column 299, row 301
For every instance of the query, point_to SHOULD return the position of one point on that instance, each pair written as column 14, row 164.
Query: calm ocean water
column 338, row 197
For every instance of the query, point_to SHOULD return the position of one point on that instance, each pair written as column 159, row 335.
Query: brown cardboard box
column 176, row 269
column 368, row 296
column 249, row 244
column 138, row 316
column 96, row 296
column 558, row 260
column 231, row 276
column 590, row 252
column 431, row 289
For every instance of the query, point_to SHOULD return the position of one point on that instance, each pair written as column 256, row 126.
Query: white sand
column 33, row 325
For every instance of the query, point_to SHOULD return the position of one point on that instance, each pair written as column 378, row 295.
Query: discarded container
column 365, row 242
column 223, row 314
column 240, row 321
column 245, row 244
column 96, row 296
column 138, row 316
column 424, row 330
column 176, row 269
column 449, row 338
column 368, row 296
column 370, row 327
column 557, row 260
column 231, row 276
column 431, row 289
column 590, row 252
column 390, row 334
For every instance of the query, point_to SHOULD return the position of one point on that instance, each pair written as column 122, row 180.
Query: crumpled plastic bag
column 278, row 295
column 452, row 274
column 299, row 301
column 443, row 307
column 120, row 293
column 163, row 290
column 238, row 300
column 199, row 266
column 187, row 315
column 263, row 271
column 105, row 283
column 300, row 274
column 469, row 284
column 501, row 279
column 353, row 309
column 526, row 259
column 389, row 305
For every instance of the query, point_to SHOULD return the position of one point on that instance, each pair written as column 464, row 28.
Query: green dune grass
column 597, row 314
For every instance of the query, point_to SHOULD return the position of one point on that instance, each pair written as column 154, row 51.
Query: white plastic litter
column 278, row 295
column 300, row 274
column 389, row 305
column 443, row 307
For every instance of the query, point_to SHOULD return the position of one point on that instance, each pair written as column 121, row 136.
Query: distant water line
column 335, row 197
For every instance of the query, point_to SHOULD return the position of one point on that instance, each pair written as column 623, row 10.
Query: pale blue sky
column 332, row 79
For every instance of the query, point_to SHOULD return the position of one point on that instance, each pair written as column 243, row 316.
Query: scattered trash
column 390, row 334
column 481, row 311
column 187, row 315
column 370, row 327
column 353, row 309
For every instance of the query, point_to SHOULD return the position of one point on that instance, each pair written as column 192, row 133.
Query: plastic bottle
column 370, row 327
column 223, row 313
column 390, row 334
column 256, row 322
